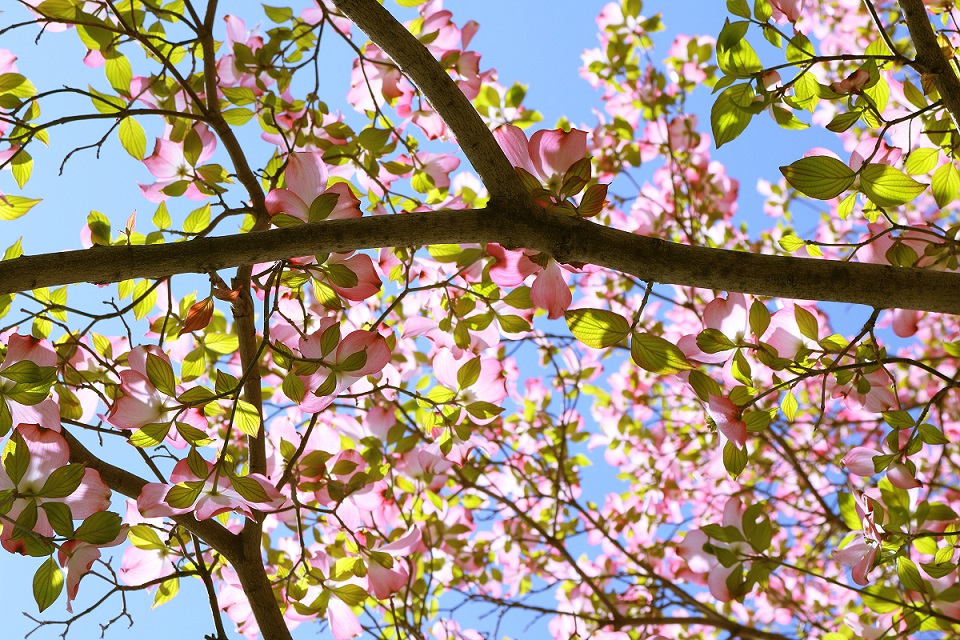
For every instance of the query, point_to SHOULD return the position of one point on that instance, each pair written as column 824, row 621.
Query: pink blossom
column 45, row 451
column 307, row 178
column 701, row 561
column 546, row 154
column 217, row 495
column 387, row 571
column 726, row 415
column 77, row 558
column 359, row 354
column 860, row 556
column 169, row 165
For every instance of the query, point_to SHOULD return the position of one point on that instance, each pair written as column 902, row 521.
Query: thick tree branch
column 930, row 58
column 567, row 239
column 416, row 62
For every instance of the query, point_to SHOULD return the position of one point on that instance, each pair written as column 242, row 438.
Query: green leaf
column 739, row 8
column 727, row 120
column 166, row 592
column 150, row 435
column 16, row 457
column 734, row 459
column 789, row 406
column 657, row 355
column 843, row 121
column 921, row 161
column 762, row 10
column 119, row 73
column 848, row 511
column 249, row 489
column 161, row 375
column 278, row 14
column 930, row 434
column 47, row 583
column 469, row 373
column 945, row 184
column 100, row 528
column 820, row 177
column 21, row 166
column 222, row 343
column 134, row 139
column 887, row 186
column 322, row 206
column 246, row 418
column 143, row 537
column 63, row 481
column 197, row 220
column 790, row 243
column 807, row 323
column 597, row 328
column 146, row 296
column 59, row 517
column 183, row 495
column 237, row 117
column 352, row 594
column 16, row 85
column 909, row 574
column 759, row 318
column 12, row 207
column 714, row 341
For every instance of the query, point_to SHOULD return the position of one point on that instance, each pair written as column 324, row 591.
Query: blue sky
column 535, row 42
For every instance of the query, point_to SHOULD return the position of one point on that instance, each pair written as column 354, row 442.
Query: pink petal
column 724, row 413
column 166, row 161
column 344, row 623
column 512, row 267
column 859, row 461
column 555, row 151
column 513, row 141
column 286, row 201
column 306, row 176
column 899, row 476
column 550, row 291
column 90, row 497
column 384, row 582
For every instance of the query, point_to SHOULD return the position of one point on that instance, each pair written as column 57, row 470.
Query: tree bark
column 567, row 239
column 930, row 58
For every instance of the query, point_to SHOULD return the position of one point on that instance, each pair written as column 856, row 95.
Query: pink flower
column 344, row 623
column 169, row 165
column 77, row 558
column 40, row 452
column 386, row 571
column 861, row 557
column 852, row 83
column 701, row 561
column 786, row 10
column 216, row 494
column 359, row 354
column 306, row 177
column 546, row 154
column 726, row 415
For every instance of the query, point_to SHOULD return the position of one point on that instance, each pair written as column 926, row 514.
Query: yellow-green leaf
column 133, row 138
column 597, row 328
column 657, row 355
column 820, row 177
column 887, row 186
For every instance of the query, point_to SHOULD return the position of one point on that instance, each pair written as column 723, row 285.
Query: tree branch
column 443, row 94
column 567, row 239
column 930, row 58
